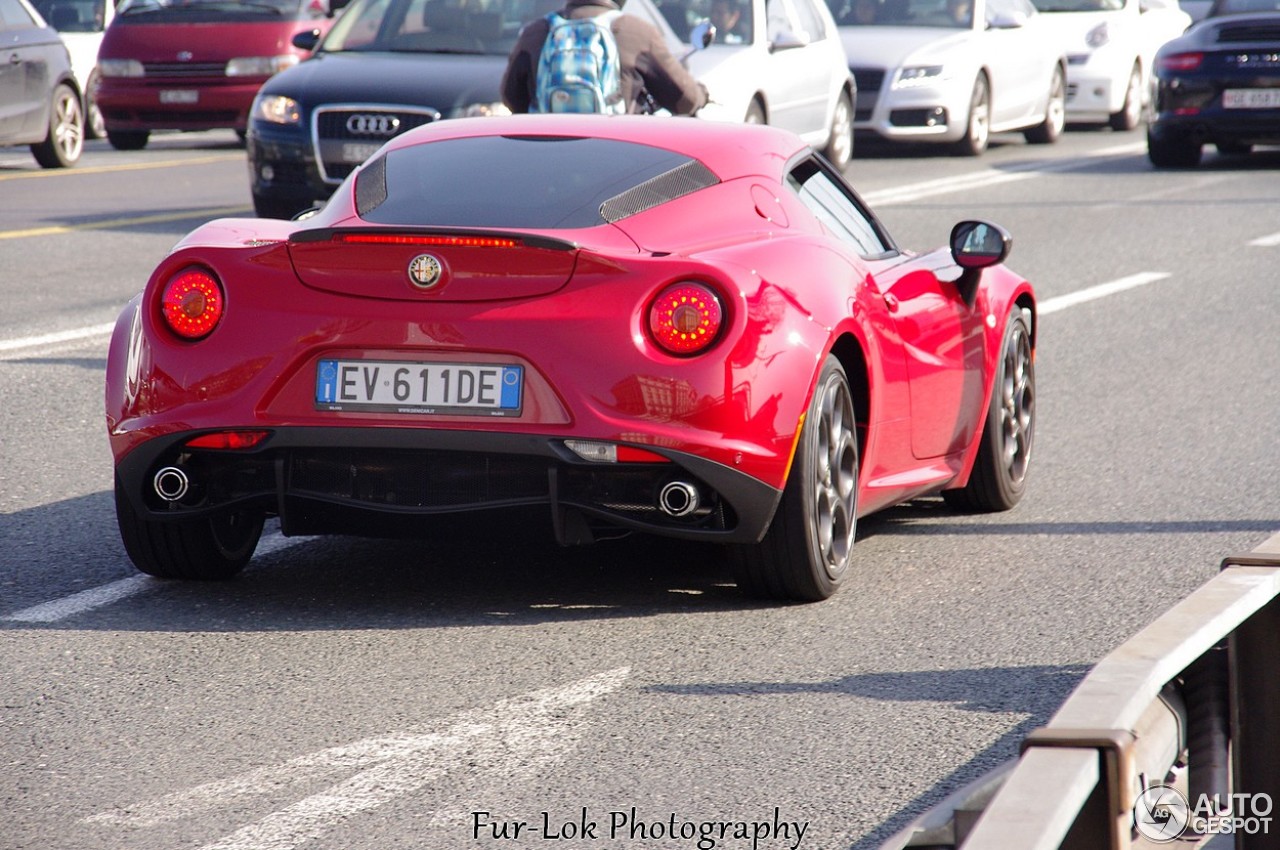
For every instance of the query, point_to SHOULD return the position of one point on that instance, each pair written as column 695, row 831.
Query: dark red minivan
column 195, row 64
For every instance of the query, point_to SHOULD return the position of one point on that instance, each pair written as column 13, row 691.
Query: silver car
column 40, row 102
column 953, row 72
column 777, row 62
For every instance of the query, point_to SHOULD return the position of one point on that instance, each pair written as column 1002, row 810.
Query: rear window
column 217, row 11
column 522, row 182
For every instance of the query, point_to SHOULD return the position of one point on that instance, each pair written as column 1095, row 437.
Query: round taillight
column 685, row 318
column 192, row 303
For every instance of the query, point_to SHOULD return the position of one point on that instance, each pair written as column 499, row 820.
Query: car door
column 941, row 338
column 25, row 86
column 1020, row 58
column 796, row 78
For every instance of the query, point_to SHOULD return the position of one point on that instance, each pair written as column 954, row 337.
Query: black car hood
column 441, row 81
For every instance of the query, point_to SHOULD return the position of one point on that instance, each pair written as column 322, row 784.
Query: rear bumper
column 384, row 482
column 1252, row 127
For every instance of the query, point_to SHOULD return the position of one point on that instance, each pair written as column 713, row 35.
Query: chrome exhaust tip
column 171, row 484
column 678, row 498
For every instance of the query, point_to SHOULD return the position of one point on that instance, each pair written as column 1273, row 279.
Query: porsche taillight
column 685, row 318
column 1179, row 62
column 192, row 303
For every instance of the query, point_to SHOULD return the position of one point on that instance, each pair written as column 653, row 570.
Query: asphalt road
column 495, row 691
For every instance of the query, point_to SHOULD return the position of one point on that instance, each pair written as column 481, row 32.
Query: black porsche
column 1218, row 84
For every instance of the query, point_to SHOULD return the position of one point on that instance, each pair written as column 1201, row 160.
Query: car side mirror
column 1006, row 20
column 702, row 35
column 786, row 40
column 306, row 40
column 976, row 245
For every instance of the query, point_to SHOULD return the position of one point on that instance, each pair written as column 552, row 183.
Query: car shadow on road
column 1034, row 691
column 486, row 570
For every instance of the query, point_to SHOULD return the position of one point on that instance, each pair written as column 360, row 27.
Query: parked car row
column 948, row 72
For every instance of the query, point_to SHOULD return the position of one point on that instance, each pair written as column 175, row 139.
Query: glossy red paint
column 571, row 308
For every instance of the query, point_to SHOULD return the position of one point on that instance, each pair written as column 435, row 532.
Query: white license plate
column 179, row 96
column 358, row 153
column 394, row 386
column 1251, row 99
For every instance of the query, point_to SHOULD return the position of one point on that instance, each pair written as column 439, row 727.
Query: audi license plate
column 1251, row 99
column 393, row 386
column 179, row 96
column 357, row 153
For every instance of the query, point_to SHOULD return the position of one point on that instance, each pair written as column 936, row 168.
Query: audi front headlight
column 277, row 109
column 260, row 66
column 1098, row 36
column 919, row 75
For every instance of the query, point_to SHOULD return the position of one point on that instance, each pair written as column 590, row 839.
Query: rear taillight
column 685, row 318
column 1179, row 62
column 427, row 240
column 192, row 303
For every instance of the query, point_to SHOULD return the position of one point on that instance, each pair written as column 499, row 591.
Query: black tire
column 977, row 129
column 128, row 140
column 999, row 475
column 1173, row 152
column 95, row 126
column 210, row 549
column 64, row 141
column 839, row 149
column 1130, row 114
column 1050, row 129
column 808, row 548
column 755, row 114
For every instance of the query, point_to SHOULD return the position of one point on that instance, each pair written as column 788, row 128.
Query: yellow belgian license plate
column 395, row 386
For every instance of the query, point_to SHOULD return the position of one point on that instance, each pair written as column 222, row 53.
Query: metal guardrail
column 1194, row 699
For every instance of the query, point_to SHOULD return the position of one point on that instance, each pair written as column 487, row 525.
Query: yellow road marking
column 54, row 230
column 107, row 169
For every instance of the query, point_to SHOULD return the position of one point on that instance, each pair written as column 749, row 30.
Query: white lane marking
column 514, row 739
column 74, row 335
column 87, row 600
column 1102, row 290
column 1267, row 241
column 78, row 603
column 990, row 177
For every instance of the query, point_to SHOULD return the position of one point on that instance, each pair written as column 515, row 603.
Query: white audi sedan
column 1111, row 45
column 777, row 62
column 953, row 72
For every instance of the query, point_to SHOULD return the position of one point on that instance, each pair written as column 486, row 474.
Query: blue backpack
column 579, row 69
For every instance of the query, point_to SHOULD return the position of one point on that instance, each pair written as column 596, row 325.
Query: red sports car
column 643, row 324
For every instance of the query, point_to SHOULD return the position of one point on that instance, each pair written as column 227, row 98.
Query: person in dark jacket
column 647, row 64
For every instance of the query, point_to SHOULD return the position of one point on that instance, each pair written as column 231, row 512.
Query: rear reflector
column 598, row 452
column 228, row 440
